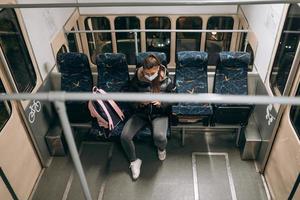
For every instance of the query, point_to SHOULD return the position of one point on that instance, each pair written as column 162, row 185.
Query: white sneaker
column 161, row 154
column 135, row 167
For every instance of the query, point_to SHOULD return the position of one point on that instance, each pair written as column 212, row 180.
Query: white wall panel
column 45, row 1
column 159, row 10
column 264, row 21
column 42, row 24
column 156, row 10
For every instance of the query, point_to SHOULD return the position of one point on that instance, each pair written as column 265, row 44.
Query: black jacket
column 140, row 84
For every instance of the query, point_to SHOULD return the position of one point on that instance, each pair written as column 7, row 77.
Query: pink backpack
column 107, row 113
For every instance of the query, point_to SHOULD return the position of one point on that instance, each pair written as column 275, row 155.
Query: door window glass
column 15, row 51
column 286, row 50
column 295, row 115
column 5, row 108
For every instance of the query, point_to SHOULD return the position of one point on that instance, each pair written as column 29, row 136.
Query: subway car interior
column 233, row 122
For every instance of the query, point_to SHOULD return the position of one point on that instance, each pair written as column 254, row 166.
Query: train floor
column 208, row 166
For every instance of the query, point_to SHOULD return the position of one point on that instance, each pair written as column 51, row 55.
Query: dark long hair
column 152, row 61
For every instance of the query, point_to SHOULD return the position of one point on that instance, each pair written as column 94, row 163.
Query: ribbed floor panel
column 109, row 176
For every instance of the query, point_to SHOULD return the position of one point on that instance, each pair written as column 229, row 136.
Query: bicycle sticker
column 35, row 107
column 269, row 116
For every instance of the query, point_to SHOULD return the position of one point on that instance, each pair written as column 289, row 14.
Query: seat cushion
column 192, row 109
column 232, row 114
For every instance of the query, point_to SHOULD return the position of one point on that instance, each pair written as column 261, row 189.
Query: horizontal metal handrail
column 148, row 3
column 173, row 98
column 291, row 32
column 161, row 30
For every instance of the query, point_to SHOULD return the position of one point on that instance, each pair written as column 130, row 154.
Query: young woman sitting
column 152, row 77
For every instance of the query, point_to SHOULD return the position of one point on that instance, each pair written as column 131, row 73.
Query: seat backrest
column 75, row 71
column 113, row 73
column 191, row 72
column 236, row 60
column 140, row 58
column 76, row 76
column 231, row 73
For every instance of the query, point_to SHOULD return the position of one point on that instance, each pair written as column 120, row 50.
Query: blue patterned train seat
column 191, row 77
column 141, row 57
column 113, row 76
column 76, row 76
column 232, row 78
column 113, row 73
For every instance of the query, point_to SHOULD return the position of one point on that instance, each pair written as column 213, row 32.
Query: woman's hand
column 156, row 103
column 144, row 103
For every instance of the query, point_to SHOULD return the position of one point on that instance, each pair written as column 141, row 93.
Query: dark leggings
column 134, row 124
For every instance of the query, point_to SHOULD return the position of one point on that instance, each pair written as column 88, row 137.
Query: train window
column 250, row 50
column 98, row 42
column 188, row 41
column 242, row 41
column 295, row 115
column 5, row 109
column 286, row 50
column 158, row 41
column 216, row 41
column 125, row 41
column 72, row 41
column 15, row 51
column 63, row 49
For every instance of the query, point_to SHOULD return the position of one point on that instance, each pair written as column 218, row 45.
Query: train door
column 283, row 166
column 20, row 165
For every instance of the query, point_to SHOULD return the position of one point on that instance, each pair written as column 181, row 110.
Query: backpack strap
column 101, row 121
column 110, row 121
column 114, row 105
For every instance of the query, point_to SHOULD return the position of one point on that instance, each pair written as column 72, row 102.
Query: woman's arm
column 169, row 89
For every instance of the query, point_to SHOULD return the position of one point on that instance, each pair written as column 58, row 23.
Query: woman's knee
column 125, row 137
column 160, row 136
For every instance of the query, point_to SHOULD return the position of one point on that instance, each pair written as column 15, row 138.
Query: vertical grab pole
column 246, row 41
column 61, row 110
column 136, row 43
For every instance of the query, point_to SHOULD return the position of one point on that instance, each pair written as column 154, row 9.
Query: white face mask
column 152, row 77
